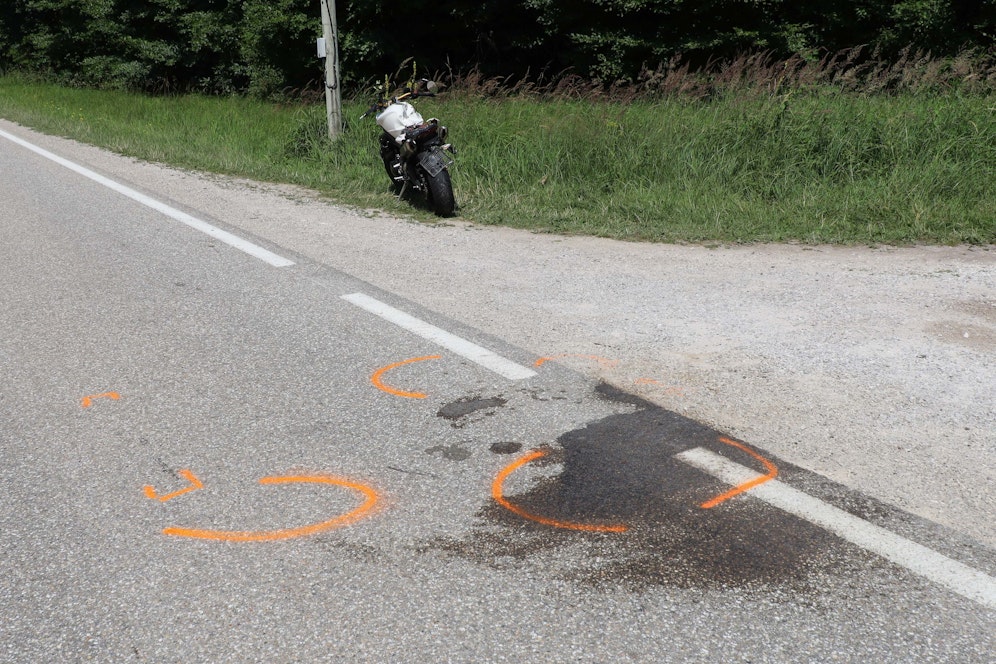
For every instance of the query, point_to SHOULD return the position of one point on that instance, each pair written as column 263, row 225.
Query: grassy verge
column 807, row 166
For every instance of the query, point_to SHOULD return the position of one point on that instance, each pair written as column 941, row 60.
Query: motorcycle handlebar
column 382, row 103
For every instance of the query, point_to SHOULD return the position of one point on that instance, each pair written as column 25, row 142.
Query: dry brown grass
column 854, row 71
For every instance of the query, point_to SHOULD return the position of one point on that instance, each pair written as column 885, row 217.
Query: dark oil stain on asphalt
column 458, row 410
column 506, row 447
column 451, row 452
column 621, row 470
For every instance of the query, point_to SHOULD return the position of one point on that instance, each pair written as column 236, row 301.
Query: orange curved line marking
column 195, row 484
column 375, row 378
column 89, row 399
column 772, row 473
column 287, row 533
column 498, row 495
column 604, row 361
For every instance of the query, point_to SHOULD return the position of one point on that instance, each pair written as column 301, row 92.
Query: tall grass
column 813, row 169
column 832, row 151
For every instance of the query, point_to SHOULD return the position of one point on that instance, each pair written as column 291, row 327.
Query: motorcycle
column 414, row 150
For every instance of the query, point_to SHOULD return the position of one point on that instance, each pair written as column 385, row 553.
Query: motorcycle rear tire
column 440, row 190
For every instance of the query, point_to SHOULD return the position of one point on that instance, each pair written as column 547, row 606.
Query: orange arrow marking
column 376, row 377
column 498, row 495
column 89, row 399
column 195, row 484
column 287, row 533
column 605, row 362
column 772, row 473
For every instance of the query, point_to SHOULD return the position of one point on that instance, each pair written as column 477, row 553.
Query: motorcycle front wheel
column 440, row 191
column 392, row 161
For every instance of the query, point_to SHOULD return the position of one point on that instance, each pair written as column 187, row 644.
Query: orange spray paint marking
column 376, row 377
column 288, row 533
column 772, row 473
column 646, row 381
column 195, row 484
column 109, row 395
column 604, row 361
column 498, row 495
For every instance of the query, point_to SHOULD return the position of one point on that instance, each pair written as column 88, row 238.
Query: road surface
column 242, row 424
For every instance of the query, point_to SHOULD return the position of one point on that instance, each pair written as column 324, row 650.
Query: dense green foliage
column 809, row 164
column 265, row 46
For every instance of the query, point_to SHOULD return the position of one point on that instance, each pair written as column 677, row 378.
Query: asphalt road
column 154, row 374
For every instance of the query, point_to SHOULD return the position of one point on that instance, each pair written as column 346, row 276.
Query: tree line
column 264, row 47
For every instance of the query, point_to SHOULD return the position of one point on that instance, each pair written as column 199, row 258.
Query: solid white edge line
column 458, row 345
column 184, row 218
column 956, row 576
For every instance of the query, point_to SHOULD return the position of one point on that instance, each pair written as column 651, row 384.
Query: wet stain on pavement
column 506, row 447
column 458, row 411
column 468, row 405
column 621, row 469
column 451, row 452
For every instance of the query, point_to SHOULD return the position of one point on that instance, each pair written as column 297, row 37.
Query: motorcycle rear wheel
column 440, row 190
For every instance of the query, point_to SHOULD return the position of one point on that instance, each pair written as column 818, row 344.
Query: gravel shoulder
column 875, row 367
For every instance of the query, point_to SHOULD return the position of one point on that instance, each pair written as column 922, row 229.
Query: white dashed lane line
column 462, row 347
column 171, row 212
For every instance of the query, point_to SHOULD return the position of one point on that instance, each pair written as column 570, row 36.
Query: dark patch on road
column 610, row 392
column 542, row 395
column 451, row 452
column 621, row 469
column 459, row 411
column 467, row 405
column 507, row 447
column 165, row 467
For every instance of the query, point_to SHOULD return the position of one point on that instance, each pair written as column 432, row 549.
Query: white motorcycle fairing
column 397, row 118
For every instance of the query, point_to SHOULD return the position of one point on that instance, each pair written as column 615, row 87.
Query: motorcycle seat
column 421, row 132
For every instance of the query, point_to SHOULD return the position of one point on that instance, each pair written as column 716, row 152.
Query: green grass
column 812, row 166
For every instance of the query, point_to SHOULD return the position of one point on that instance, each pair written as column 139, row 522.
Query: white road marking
column 449, row 341
column 960, row 578
column 184, row 218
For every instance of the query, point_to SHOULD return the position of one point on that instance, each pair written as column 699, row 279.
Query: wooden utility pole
column 333, row 91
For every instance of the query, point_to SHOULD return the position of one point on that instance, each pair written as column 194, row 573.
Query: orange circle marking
column 287, row 533
column 772, row 473
column 376, row 377
column 604, row 361
column 498, row 495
